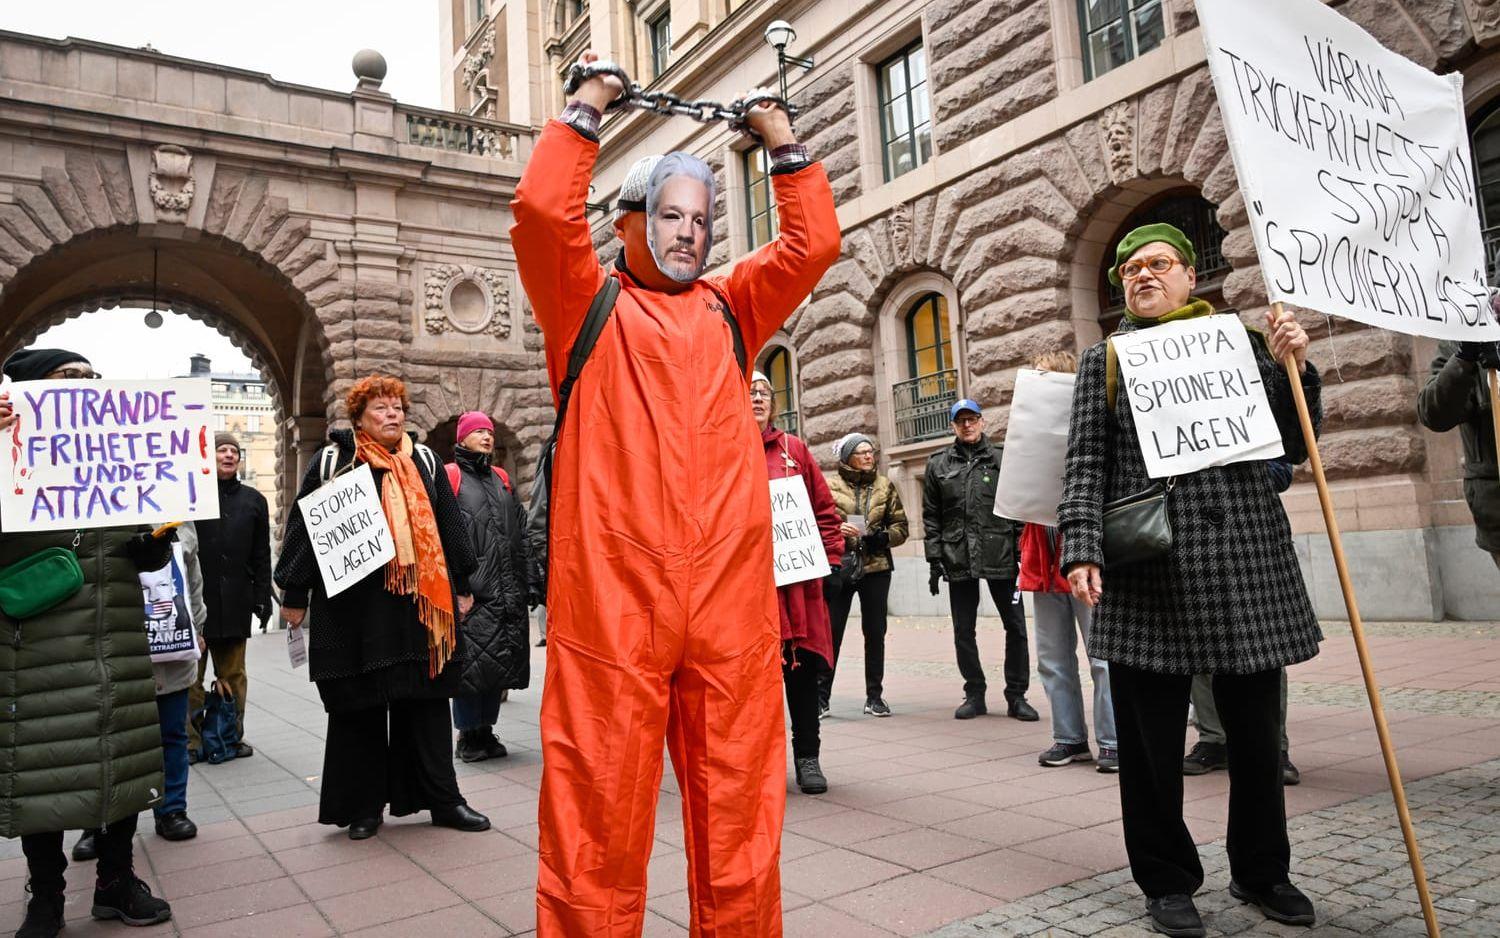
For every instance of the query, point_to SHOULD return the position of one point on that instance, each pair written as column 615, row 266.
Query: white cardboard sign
column 796, row 544
column 350, row 535
column 1196, row 394
column 1355, row 167
column 1036, row 446
column 105, row 454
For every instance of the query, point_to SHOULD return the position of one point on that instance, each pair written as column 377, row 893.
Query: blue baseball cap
column 962, row 405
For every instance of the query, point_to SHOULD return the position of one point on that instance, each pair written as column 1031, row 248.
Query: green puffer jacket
column 80, row 743
column 871, row 495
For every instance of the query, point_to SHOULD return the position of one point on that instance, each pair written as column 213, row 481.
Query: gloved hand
column 263, row 613
column 149, row 552
column 875, row 542
column 934, row 577
column 1483, row 354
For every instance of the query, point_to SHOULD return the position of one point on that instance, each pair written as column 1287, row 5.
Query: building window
column 760, row 205
column 660, row 30
column 252, row 423
column 905, row 113
column 1198, row 219
column 479, row 11
column 254, row 390
column 1116, row 31
column 922, row 400
column 1485, row 142
column 221, row 422
column 778, row 367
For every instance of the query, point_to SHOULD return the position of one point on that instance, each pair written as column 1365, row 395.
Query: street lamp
column 780, row 34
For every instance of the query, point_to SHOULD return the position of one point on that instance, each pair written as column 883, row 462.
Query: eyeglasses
column 964, row 420
column 74, row 374
column 756, row 394
column 1158, row 264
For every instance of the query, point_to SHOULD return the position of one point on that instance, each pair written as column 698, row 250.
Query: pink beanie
column 471, row 421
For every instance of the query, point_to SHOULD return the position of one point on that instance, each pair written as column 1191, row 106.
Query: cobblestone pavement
column 928, row 824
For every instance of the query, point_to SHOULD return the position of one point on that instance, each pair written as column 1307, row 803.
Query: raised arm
column 1451, row 395
column 766, row 287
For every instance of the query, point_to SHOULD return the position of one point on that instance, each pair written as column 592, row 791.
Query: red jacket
column 1040, row 571
column 804, row 614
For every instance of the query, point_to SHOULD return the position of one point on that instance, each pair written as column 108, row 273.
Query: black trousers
column 45, row 860
column 399, row 755
column 963, row 601
column 873, row 589
column 802, row 702
column 1151, row 719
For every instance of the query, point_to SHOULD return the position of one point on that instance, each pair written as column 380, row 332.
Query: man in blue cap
column 965, row 542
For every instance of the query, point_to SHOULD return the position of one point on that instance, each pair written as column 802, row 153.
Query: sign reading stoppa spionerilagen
column 102, row 454
column 1355, row 167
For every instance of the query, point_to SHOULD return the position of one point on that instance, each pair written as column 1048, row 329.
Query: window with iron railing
column 921, row 402
column 1197, row 218
column 660, row 32
column 1116, row 31
column 905, row 111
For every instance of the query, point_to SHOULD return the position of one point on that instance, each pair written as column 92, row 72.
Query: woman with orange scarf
column 382, row 650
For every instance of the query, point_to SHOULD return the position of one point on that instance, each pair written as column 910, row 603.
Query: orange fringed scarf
column 419, row 569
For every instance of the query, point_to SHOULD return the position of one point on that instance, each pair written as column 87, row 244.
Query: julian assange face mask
column 680, row 216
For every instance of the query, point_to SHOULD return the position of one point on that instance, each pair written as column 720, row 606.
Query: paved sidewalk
column 930, row 826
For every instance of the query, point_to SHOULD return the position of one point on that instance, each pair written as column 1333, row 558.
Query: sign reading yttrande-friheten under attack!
column 104, row 454
column 1355, row 166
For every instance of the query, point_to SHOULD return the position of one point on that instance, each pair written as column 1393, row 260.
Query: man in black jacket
column 235, row 553
column 1458, row 395
column 965, row 542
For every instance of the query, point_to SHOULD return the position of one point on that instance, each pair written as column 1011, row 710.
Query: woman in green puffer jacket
column 80, row 744
column 873, row 522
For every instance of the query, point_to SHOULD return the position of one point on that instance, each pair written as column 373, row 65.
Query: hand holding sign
column 1286, row 337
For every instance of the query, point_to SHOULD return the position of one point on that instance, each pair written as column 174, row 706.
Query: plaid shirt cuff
column 583, row 118
column 789, row 156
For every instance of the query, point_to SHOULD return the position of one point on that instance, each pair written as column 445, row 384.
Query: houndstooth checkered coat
column 1229, row 598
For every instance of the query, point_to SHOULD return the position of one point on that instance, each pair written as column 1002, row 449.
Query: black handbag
column 1137, row 527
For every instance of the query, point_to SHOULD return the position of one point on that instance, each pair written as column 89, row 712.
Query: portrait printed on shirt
column 169, row 625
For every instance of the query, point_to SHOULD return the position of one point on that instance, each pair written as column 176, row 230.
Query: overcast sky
column 306, row 41
column 310, row 42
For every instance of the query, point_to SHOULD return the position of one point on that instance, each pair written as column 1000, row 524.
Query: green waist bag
column 34, row 584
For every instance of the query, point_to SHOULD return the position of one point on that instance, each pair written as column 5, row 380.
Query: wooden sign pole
column 1357, row 628
column 1495, row 406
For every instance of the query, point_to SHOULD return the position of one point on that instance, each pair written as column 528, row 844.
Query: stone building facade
column 243, row 407
column 985, row 155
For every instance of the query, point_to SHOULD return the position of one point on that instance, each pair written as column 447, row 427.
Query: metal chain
column 667, row 104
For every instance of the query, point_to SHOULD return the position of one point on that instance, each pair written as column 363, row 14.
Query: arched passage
column 208, row 278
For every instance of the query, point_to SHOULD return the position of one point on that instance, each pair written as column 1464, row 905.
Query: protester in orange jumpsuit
column 663, row 622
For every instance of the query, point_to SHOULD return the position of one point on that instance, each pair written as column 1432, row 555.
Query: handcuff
column 666, row 104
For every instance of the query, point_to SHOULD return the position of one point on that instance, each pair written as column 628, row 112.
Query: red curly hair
column 367, row 389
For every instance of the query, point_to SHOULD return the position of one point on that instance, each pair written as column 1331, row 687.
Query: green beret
column 1146, row 234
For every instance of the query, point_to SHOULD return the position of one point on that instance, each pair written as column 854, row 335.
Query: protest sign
column 348, row 530
column 1355, row 167
column 169, row 622
column 1197, row 396
column 103, row 454
column 797, row 545
column 1036, row 445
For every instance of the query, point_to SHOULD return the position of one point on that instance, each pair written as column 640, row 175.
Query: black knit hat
column 35, row 363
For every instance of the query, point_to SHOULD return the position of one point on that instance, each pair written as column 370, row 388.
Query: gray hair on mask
column 678, row 163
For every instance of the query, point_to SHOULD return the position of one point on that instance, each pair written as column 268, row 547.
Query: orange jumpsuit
column 661, row 610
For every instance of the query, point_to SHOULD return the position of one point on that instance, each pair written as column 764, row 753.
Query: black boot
column 85, row 849
column 1175, row 915
column 973, row 706
column 129, row 900
column 460, row 817
column 44, row 915
column 176, row 826
column 365, row 828
column 810, row 776
column 469, row 748
column 491, row 744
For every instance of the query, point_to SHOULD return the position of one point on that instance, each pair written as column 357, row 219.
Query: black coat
column 234, row 551
column 961, row 530
column 497, row 630
column 1457, row 395
column 366, row 646
column 1229, row 597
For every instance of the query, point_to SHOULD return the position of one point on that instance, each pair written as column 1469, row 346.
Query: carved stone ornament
column 1117, row 126
column 1484, row 16
column 465, row 299
column 900, row 222
column 480, row 59
column 171, row 180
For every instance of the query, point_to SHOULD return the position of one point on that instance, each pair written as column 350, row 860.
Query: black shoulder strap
column 583, row 346
column 735, row 334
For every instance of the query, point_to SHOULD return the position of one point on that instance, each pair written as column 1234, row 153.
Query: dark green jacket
column 80, row 743
column 960, row 528
column 1457, row 395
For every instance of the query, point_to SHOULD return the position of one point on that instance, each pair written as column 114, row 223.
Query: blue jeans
column 1057, row 665
column 476, row 711
column 172, row 711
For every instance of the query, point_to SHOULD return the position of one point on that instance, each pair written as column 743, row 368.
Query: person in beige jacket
column 873, row 522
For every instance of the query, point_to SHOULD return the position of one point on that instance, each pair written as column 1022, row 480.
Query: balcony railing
column 788, row 422
column 921, row 405
column 444, row 130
